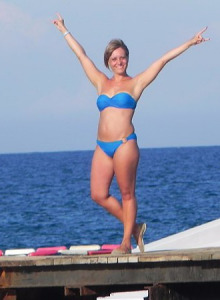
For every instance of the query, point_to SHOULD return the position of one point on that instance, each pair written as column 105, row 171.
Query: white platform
column 135, row 295
column 203, row 236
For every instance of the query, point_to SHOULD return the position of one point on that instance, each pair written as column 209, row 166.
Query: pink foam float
column 105, row 249
column 47, row 251
column 102, row 251
column 109, row 247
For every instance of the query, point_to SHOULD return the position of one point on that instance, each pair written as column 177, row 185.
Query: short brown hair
column 111, row 47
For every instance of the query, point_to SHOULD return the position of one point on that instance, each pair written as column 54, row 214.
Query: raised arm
column 145, row 78
column 94, row 75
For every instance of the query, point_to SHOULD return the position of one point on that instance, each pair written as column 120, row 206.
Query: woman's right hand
column 59, row 23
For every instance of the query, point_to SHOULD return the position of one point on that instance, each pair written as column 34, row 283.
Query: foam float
column 105, row 249
column 73, row 252
column 47, row 251
column 98, row 252
column 89, row 249
column 80, row 249
column 19, row 252
column 85, row 247
column 109, row 246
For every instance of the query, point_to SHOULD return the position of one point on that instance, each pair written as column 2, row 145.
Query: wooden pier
column 177, row 275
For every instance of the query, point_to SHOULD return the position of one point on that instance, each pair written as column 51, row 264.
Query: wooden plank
column 106, row 274
column 148, row 268
column 210, row 254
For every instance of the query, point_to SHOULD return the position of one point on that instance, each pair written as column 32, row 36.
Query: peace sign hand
column 198, row 38
column 59, row 23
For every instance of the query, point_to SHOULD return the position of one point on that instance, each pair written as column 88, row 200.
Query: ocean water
column 45, row 197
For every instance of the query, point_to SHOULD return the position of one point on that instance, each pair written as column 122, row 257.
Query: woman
column 117, row 153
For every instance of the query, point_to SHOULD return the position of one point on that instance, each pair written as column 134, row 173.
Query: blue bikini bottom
column 110, row 147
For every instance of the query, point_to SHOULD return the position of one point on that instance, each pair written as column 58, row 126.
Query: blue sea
column 45, row 197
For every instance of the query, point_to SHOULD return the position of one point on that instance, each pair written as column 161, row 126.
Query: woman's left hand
column 198, row 38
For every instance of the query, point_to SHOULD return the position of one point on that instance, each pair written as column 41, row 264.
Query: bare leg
column 102, row 173
column 125, row 166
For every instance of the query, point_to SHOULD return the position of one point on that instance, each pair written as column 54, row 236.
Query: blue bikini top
column 120, row 100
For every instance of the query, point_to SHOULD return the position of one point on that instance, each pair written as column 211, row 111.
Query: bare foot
column 121, row 250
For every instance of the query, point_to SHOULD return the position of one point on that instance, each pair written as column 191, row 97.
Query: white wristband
column 65, row 33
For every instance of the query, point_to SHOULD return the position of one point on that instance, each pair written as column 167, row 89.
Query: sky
column 48, row 104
